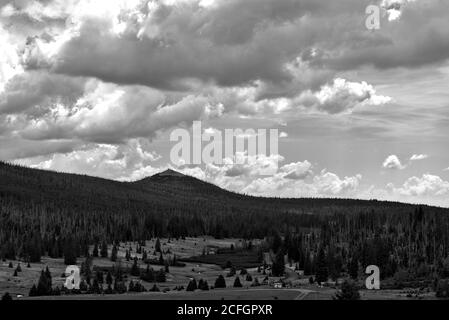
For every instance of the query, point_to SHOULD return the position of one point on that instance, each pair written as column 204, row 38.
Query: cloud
column 343, row 96
column 328, row 183
column 39, row 90
column 392, row 162
column 102, row 113
column 297, row 170
column 425, row 186
column 125, row 162
column 417, row 157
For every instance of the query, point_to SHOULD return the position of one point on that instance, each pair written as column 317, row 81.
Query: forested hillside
column 49, row 213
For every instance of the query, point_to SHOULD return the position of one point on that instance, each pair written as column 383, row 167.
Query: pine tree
column 6, row 297
column 148, row 276
column 104, row 250
column 135, row 270
column 33, row 291
column 158, row 245
column 353, row 268
column 114, row 253
column 255, row 282
column 307, row 264
column 322, row 273
column 44, row 286
column 220, row 282
column 109, row 278
column 69, row 252
column 237, row 283
column 278, row 267
column 95, row 250
column 131, row 286
column 203, row 285
column 192, row 286
column 155, row 288
column 161, row 260
column 160, row 276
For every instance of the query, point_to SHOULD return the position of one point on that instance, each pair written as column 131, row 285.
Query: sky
column 96, row 87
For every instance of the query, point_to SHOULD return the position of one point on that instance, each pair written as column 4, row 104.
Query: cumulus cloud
column 417, row 157
column 328, row 183
column 392, row 162
column 343, row 96
column 297, row 170
column 84, row 83
column 125, row 162
column 427, row 185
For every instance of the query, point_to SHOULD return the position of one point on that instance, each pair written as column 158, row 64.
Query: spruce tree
column 278, row 267
column 192, row 286
column 160, row 276
column 353, row 268
column 114, row 253
column 322, row 273
column 237, row 283
column 69, row 252
column 220, row 282
column 33, row 291
column 109, row 278
column 158, row 245
column 95, row 250
column 135, row 270
column 44, row 286
column 6, row 297
column 104, row 250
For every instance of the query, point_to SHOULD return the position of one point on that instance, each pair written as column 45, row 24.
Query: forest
column 61, row 215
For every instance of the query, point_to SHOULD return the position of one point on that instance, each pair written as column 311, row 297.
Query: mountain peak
column 170, row 173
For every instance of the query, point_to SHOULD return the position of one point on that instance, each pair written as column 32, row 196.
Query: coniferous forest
column 61, row 215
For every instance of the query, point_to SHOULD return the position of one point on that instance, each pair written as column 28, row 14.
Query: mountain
column 41, row 211
column 169, row 188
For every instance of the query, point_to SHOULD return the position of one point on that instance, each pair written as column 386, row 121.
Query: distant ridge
column 167, row 188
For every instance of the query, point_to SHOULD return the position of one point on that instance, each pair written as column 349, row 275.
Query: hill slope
column 41, row 212
column 169, row 188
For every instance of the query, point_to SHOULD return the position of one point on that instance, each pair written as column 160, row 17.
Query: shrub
column 348, row 291
column 442, row 290
column 6, row 297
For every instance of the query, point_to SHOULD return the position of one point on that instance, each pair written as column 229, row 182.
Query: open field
column 218, row 294
column 180, row 276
